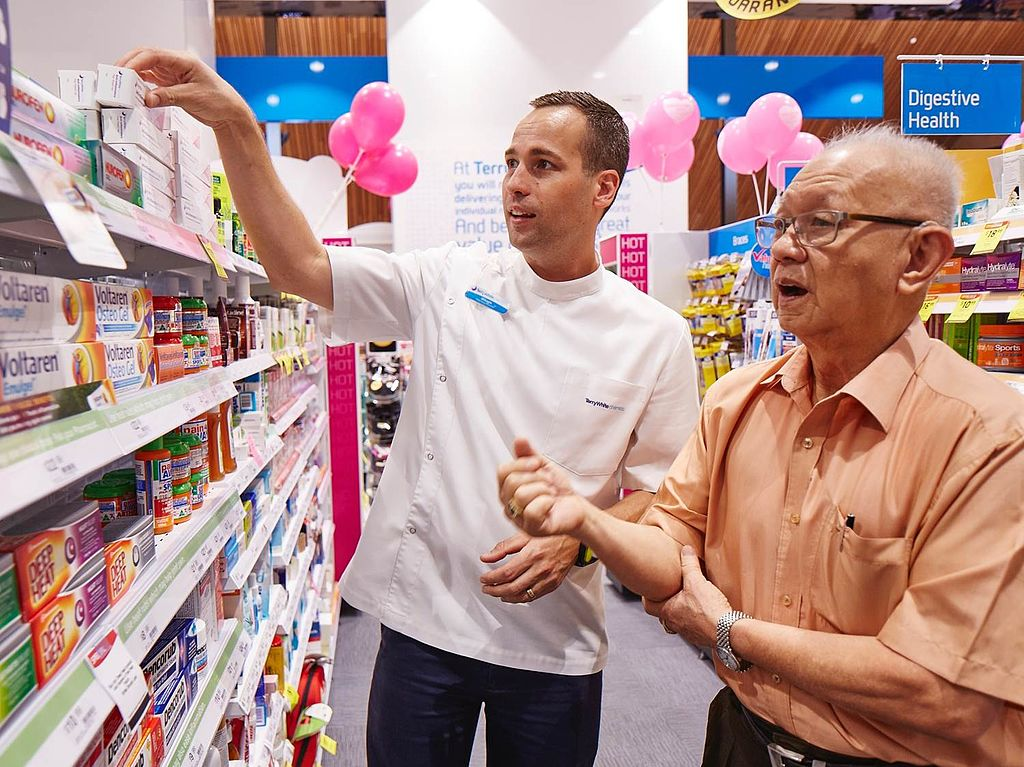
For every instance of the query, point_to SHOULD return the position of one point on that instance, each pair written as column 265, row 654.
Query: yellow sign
column 305, row 355
column 965, row 307
column 756, row 9
column 330, row 744
column 1017, row 313
column 927, row 308
column 989, row 238
column 291, row 695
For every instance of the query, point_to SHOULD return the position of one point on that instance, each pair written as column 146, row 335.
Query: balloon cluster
column 662, row 143
column 360, row 141
column 769, row 134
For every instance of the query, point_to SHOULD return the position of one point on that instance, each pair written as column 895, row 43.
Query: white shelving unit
column 964, row 236
column 293, row 673
column 997, row 303
column 266, row 744
column 242, row 701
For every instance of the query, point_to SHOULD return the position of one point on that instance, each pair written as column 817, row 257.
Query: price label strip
column 965, row 307
column 212, row 255
column 330, row 744
column 118, row 673
column 1017, row 312
column 927, row 308
column 990, row 236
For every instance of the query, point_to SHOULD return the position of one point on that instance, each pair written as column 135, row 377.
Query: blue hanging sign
column 961, row 99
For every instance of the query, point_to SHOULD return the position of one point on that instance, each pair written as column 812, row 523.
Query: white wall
column 48, row 35
column 467, row 70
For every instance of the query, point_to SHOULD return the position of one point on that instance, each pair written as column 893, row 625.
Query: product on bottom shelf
column 171, row 702
column 129, row 547
column 17, row 669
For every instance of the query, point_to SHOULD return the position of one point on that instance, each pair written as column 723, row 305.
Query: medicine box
column 973, row 273
column 202, row 603
column 17, row 669
column 172, row 654
column 979, row 211
column 149, row 748
column 31, row 103
column 77, row 88
column 120, row 737
column 50, row 549
column 9, row 613
column 170, row 704
column 195, row 215
column 156, row 177
column 159, row 205
column 948, row 278
column 36, row 308
column 117, row 174
column 119, row 87
column 93, row 129
column 137, row 126
column 128, row 548
column 70, row 156
column 1003, row 271
column 189, row 158
column 122, row 311
column 61, row 624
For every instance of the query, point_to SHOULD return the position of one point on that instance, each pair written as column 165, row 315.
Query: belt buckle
column 784, row 757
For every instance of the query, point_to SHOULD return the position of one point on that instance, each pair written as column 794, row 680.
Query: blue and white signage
column 961, row 99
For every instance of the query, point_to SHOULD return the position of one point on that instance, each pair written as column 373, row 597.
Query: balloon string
column 661, row 178
column 757, row 194
column 346, row 179
column 767, row 176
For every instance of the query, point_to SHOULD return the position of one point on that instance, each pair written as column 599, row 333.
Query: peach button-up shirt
column 926, row 452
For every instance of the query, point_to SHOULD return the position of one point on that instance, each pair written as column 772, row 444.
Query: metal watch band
column 722, row 632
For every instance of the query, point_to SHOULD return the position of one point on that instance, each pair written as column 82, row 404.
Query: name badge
column 486, row 299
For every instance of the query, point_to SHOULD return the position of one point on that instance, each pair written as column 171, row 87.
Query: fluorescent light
column 856, row 98
column 316, row 66
column 273, row 100
column 771, row 66
column 723, row 99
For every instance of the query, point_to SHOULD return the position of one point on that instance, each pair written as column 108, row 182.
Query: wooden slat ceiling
column 332, row 36
column 706, row 172
column 239, row 36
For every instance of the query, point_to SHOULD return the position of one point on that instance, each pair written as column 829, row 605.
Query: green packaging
column 9, row 612
column 17, row 669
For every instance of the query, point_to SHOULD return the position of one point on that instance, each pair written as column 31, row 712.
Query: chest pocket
column 593, row 422
column 857, row 581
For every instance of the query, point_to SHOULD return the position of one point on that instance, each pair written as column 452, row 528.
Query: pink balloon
column 671, row 120
column 342, row 141
column 774, row 120
column 387, row 172
column 636, row 140
column 670, row 166
column 377, row 114
column 1013, row 140
column 806, row 146
column 736, row 148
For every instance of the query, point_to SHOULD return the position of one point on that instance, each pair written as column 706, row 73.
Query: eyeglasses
column 817, row 227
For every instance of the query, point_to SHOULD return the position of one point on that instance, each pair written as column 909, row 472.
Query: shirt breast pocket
column 593, row 422
column 858, row 581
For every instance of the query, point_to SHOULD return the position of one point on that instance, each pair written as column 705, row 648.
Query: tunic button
column 786, row 600
column 442, row 378
column 430, row 456
column 794, row 518
column 777, row 679
column 412, row 530
column 808, row 443
column 451, row 301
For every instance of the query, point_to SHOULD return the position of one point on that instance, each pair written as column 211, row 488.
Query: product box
column 1003, row 271
column 61, row 624
column 187, row 128
column 50, row 549
column 34, row 308
column 170, row 362
column 149, row 748
column 117, row 174
column 77, row 88
column 221, row 196
column 973, row 273
column 170, row 704
column 92, row 756
column 171, row 655
column 156, row 177
column 188, row 157
column 131, row 365
column 120, row 737
column 128, row 547
column 71, row 157
column 31, row 103
column 122, row 311
column 17, row 669
column 201, row 603
column 948, row 278
column 196, row 190
column 1001, row 348
column 9, row 613
column 93, row 128
column 119, row 87
column 196, row 216
column 137, row 126
column 158, row 204
column 979, row 211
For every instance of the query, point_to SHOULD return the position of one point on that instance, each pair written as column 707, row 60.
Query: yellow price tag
column 289, row 364
column 965, row 307
column 990, row 237
column 1017, row 313
column 291, row 695
column 927, row 308
column 305, row 355
column 330, row 744
column 298, row 361
column 211, row 254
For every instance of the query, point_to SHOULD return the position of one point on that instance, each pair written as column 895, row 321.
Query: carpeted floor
column 656, row 692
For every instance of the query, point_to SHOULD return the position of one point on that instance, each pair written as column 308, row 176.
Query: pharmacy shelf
column 257, row 542
column 964, row 236
column 290, row 414
column 288, row 617
column 241, row 703
column 253, row 465
column 293, row 674
column 57, row 722
column 207, row 710
column 994, row 303
column 266, row 737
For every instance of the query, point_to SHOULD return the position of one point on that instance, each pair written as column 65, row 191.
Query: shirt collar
column 792, row 370
column 558, row 291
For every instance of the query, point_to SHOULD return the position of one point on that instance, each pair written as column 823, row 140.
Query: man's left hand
column 693, row 613
column 536, row 566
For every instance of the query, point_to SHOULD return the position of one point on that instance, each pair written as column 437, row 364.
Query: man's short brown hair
column 606, row 144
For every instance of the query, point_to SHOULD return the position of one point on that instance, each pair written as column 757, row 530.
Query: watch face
column 727, row 658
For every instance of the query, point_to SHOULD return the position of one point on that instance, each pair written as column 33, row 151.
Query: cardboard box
column 948, row 278
column 170, row 362
column 9, row 614
column 137, row 126
column 77, row 88
column 93, row 128
column 149, row 749
column 17, row 669
column 187, row 128
column 72, row 157
column 60, row 625
column 117, row 174
column 120, row 737
column 128, row 548
column 155, row 175
column 171, row 655
column 31, row 103
column 119, row 87
column 196, row 216
column 189, row 157
column 973, row 273
column 979, row 211
column 158, row 204
column 170, row 704
column 1003, row 271
column 34, row 308
column 50, row 549
column 122, row 312
column 195, row 190
column 131, row 365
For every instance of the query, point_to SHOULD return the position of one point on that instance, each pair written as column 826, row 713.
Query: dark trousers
column 425, row 703
column 738, row 738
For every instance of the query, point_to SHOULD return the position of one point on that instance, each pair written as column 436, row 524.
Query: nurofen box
column 119, row 87
column 77, row 88
column 117, row 174
column 37, row 308
column 155, row 175
column 170, row 704
column 17, row 669
column 31, row 103
column 131, row 365
column 9, row 613
column 28, row 370
column 973, row 273
column 137, row 126
column 122, row 311
column 71, row 157
column 128, row 547
column 62, row 623
column 50, row 549
column 171, row 655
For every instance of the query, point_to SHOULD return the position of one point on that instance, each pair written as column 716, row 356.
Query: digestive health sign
column 952, row 99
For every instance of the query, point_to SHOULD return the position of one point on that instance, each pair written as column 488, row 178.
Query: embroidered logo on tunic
column 604, row 405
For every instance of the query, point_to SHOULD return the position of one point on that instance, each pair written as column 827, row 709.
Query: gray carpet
column 656, row 692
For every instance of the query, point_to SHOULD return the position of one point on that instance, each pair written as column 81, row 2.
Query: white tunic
column 599, row 377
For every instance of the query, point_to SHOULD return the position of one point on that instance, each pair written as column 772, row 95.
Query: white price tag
column 58, row 467
column 80, row 723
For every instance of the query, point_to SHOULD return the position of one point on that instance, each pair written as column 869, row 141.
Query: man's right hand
column 185, row 81
column 538, row 496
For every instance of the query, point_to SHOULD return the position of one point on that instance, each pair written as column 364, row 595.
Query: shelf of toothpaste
column 385, row 369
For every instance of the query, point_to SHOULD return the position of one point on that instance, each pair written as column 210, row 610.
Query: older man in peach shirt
column 858, row 504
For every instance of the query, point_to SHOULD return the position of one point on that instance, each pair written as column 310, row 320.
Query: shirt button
column 808, row 443
column 451, row 301
column 777, row 679
column 411, row 529
column 430, row 456
column 794, row 518
column 786, row 600
column 442, row 378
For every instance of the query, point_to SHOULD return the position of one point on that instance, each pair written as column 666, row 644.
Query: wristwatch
column 723, row 648
column 585, row 556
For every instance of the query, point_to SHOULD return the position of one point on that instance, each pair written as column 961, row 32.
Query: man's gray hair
column 931, row 174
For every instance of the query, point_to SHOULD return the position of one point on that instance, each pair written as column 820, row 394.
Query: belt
column 787, row 750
